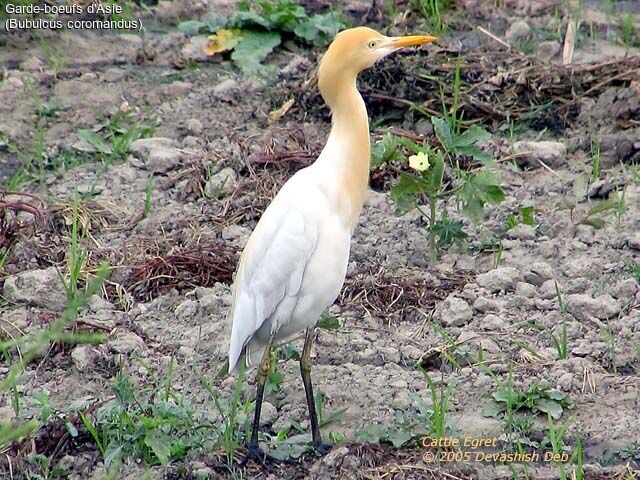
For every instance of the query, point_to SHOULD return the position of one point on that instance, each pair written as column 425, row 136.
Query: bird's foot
column 254, row 452
column 322, row 448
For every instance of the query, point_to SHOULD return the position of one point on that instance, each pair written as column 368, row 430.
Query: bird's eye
column 372, row 44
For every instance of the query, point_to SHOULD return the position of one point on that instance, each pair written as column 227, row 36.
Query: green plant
column 148, row 197
column 595, row 160
column 561, row 343
column 153, row 430
column 471, row 190
column 555, row 438
column 608, row 336
column 633, row 268
column 536, row 399
column 431, row 10
column 258, row 27
column 524, row 216
column 630, row 35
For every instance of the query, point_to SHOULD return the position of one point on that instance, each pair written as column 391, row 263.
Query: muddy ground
column 171, row 214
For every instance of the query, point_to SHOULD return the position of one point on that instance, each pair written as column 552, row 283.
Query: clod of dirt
column 38, row 288
column 531, row 154
column 585, row 307
column 503, row 278
column 157, row 155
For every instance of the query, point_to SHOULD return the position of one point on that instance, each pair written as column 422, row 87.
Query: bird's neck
column 348, row 149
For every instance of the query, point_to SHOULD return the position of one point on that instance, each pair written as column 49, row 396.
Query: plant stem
column 432, row 223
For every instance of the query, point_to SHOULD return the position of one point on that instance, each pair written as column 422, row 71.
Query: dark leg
column 305, row 370
column 254, row 451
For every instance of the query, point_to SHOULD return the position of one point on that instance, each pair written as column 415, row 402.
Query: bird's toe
column 322, row 448
column 254, row 453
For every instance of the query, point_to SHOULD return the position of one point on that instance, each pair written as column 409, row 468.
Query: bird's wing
column 271, row 267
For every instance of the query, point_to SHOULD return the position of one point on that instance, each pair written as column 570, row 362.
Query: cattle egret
column 295, row 261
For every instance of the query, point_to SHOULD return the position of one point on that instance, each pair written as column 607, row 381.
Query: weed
column 524, row 217
column 630, row 36
column 561, row 343
column 595, row 160
column 633, row 268
column 472, row 190
column 148, row 197
column 431, row 10
column 151, row 430
column 608, row 336
column 258, row 27
column 555, row 438
column 536, row 399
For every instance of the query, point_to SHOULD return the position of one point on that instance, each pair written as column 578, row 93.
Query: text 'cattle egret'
column 295, row 261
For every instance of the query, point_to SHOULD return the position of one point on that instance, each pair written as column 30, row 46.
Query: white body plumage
column 295, row 261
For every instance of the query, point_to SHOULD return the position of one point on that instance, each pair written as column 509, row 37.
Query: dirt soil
column 492, row 304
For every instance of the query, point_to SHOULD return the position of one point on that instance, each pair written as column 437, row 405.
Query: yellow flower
column 419, row 162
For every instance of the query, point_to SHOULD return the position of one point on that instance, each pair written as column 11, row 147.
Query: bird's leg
column 305, row 371
column 253, row 450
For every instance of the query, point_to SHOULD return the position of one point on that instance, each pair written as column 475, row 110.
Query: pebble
column 38, row 288
column 124, row 341
column 584, row 307
column 454, row 312
column 517, row 31
column 157, row 154
column 503, row 278
column 552, row 154
column 525, row 289
column 222, row 183
column 522, row 232
column 484, row 304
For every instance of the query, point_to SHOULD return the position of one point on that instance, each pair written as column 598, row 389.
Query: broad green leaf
column 329, row 323
column 159, row 443
column 471, row 136
column 385, row 151
column 527, row 215
column 404, row 193
column 253, row 48
column 191, row 27
column 448, row 231
column 95, row 141
column 492, row 409
column 434, row 175
column 556, row 395
column 248, row 19
column 399, row 437
column 551, row 407
column 512, row 221
column 443, row 132
column 474, row 152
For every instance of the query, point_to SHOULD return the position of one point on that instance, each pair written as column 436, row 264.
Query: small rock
column 34, row 64
column 83, row 356
column 484, row 304
column 225, row 87
column 625, row 289
column 565, row 382
column 98, row 304
column 194, row 126
column 634, row 241
column 38, row 288
column 584, row 307
column 477, row 426
column 493, row 322
column 222, row 183
column 550, row 153
column 186, row 310
column 602, row 188
column 546, row 51
column 193, row 50
column 522, row 232
column 454, row 312
column 503, row 278
column 269, row 413
column 113, row 75
column 525, row 290
column 125, row 342
column 158, row 154
column 547, row 290
column 517, row 31
column 236, row 234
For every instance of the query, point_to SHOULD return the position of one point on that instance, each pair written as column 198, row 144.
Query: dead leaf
column 276, row 115
column 223, row 41
column 570, row 41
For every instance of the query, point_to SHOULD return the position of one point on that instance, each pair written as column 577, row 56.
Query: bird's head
column 356, row 49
